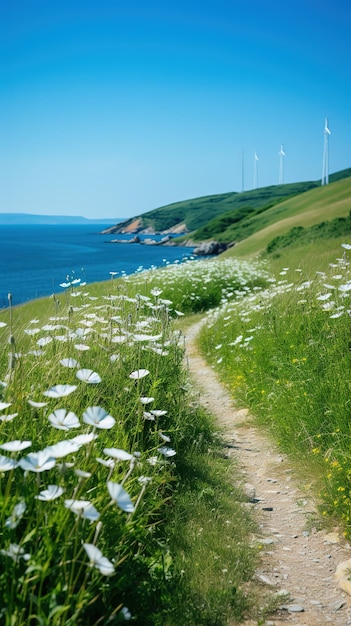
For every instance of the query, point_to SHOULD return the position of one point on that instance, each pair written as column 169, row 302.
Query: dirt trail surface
column 297, row 559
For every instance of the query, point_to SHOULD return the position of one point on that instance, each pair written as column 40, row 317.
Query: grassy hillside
column 243, row 220
column 225, row 227
column 191, row 212
column 214, row 216
column 310, row 208
column 197, row 212
column 301, row 236
column 284, row 353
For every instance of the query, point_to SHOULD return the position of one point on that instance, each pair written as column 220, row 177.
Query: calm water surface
column 34, row 259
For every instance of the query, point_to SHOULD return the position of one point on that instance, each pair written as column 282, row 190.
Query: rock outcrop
column 207, row 248
column 134, row 239
column 136, row 225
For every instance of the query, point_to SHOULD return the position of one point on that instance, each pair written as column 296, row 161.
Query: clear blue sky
column 112, row 108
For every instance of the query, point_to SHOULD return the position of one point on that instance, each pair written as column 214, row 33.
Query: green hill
column 313, row 207
column 191, row 213
column 244, row 220
column 199, row 212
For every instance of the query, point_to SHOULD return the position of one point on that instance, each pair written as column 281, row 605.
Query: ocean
column 35, row 259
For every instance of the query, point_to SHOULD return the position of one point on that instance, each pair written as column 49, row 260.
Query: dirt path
column 296, row 558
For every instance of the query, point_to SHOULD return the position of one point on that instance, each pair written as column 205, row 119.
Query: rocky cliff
column 136, row 225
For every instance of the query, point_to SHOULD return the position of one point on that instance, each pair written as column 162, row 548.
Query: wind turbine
column 255, row 170
column 325, row 167
column 281, row 164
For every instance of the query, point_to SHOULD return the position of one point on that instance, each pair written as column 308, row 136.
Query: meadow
column 285, row 353
column 117, row 502
column 113, row 484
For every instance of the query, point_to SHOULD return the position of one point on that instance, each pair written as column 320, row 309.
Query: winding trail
column 297, row 558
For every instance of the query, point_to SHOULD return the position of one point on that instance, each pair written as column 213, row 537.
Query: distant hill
column 28, row 218
column 210, row 217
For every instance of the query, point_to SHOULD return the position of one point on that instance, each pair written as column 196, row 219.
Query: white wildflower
column 146, row 400
column 83, row 508
column 4, row 405
column 99, row 561
column 8, row 417
column 69, row 363
column 120, row 496
column 116, row 453
column 16, row 445
column 167, row 452
column 81, row 440
column 16, row 515
column 61, row 449
column 51, row 493
column 60, row 391
column 63, row 419
column 15, row 552
column 137, row 374
column 37, row 462
column 7, row 464
column 98, row 417
column 88, row 376
column 37, row 405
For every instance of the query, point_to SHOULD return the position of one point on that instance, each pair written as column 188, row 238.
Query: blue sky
column 111, row 108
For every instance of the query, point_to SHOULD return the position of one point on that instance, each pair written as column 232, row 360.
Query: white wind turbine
column 325, row 167
column 255, row 170
column 281, row 164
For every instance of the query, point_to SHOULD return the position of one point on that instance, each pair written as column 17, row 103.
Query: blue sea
column 35, row 259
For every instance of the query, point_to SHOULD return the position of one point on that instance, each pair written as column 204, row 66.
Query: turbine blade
column 326, row 128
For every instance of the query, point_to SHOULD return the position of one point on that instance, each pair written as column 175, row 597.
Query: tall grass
column 106, row 370
column 99, row 439
column 285, row 353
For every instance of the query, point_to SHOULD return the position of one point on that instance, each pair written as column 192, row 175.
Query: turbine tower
column 255, row 170
column 281, row 164
column 325, row 167
column 242, row 171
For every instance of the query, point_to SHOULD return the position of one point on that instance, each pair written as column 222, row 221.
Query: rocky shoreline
column 136, row 228
column 203, row 248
